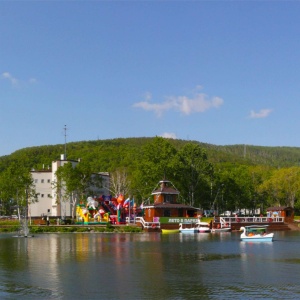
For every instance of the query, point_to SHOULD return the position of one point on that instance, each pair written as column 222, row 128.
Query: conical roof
column 165, row 187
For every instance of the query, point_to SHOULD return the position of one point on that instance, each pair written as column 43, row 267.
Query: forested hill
column 272, row 156
column 106, row 155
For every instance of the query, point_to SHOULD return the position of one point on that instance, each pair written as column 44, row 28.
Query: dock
column 235, row 223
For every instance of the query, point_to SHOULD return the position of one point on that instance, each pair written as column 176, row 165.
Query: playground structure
column 88, row 216
column 105, row 210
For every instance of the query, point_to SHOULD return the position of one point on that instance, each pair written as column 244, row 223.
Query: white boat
column 203, row 227
column 188, row 227
column 222, row 226
column 256, row 233
column 224, row 229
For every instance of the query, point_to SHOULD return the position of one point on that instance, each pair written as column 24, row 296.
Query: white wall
column 42, row 180
column 49, row 203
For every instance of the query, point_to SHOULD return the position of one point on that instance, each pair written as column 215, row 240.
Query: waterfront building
column 49, row 203
column 165, row 211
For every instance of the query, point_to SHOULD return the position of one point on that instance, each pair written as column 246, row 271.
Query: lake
column 149, row 266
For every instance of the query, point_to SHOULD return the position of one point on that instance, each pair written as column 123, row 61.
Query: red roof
column 165, row 190
column 170, row 205
column 165, row 187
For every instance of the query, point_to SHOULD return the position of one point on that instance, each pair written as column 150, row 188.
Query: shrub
column 131, row 229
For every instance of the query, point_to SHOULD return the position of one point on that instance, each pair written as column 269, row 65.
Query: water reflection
column 148, row 266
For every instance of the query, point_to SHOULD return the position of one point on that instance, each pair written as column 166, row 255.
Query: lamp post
column 215, row 200
column 26, row 214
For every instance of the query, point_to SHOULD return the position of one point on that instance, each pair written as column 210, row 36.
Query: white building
column 48, row 202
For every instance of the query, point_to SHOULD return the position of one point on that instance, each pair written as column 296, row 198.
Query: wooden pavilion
column 166, row 209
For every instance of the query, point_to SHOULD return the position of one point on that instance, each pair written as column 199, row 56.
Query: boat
column 222, row 227
column 203, row 227
column 219, row 230
column 169, row 231
column 188, row 227
column 256, row 233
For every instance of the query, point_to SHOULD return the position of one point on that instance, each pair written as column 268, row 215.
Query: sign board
column 177, row 220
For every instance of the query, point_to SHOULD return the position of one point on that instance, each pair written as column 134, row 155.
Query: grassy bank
column 14, row 226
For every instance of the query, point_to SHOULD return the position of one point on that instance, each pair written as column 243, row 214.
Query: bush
column 131, row 229
column 9, row 222
column 100, row 229
column 14, row 226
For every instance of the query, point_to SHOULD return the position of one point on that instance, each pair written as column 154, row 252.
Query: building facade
column 49, row 203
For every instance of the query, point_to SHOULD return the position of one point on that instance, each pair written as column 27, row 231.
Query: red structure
column 166, row 209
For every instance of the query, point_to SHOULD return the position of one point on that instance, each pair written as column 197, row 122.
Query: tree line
column 207, row 176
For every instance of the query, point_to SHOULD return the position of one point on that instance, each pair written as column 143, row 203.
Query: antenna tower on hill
column 65, row 129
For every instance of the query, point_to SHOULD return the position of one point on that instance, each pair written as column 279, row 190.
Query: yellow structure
column 83, row 215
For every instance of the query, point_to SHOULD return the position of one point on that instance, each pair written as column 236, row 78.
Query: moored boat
column 188, row 227
column 203, row 227
column 169, row 231
column 256, row 233
column 218, row 230
column 221, row 225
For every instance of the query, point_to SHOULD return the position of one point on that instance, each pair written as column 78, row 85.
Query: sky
column 218, row 72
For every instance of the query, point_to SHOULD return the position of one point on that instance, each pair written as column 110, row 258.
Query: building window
column 167, row 213
column 180, row 212
column 36, row 180
column 169, row 199
column 42, row 195
column 49, row 195
column 48, row 180
column 42, row 181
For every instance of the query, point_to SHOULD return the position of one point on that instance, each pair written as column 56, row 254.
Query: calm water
column 149, row 266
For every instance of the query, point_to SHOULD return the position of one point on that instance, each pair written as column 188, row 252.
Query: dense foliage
column 208, row 176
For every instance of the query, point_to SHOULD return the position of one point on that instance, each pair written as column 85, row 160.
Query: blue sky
column 219, row 72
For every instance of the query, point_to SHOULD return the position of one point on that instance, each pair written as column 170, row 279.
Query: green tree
column 227, row 194
column 16, row 189
column 283, row 187
column 74, row 183
column 193, row 173
column 237, row 187
column 153, row 163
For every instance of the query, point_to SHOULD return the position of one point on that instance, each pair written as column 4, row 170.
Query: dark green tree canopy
column 250, row 176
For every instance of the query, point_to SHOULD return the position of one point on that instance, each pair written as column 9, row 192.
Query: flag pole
column 129, row 211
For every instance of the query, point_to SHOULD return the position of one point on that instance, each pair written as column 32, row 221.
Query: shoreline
column 294, row 226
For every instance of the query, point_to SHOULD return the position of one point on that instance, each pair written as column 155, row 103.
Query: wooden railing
column 250, row 220
column 147, row 224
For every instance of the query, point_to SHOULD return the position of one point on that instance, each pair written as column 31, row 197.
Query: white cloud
column 169, row 135
column 14, row 81
column 10, row 78
column 197, row 104
column 263, row 113
column 199, row 87
column 32, row 80
column 148, row 96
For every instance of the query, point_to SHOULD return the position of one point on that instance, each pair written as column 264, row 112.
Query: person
column 48, row 221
